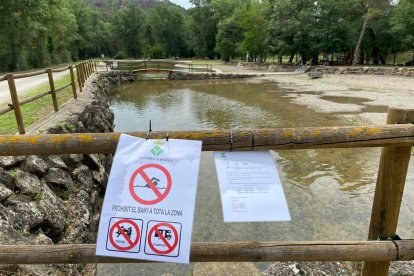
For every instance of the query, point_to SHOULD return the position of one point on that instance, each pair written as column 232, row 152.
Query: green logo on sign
column 156, row 151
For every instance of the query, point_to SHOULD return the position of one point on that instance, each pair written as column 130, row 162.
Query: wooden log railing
column 223, row 252
column 396, row 140
column 83, row 70
column 264, row 139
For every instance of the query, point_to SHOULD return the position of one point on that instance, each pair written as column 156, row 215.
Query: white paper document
column 250, row 187
column 149, row 202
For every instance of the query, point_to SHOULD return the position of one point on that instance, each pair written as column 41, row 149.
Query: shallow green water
column 329, row 192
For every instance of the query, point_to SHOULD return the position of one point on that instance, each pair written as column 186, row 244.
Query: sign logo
column 163, row 238
column 150, row 184
column 157, row 150
column 124, row 235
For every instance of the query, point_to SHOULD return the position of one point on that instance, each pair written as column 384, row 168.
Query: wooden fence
column 83, row 71
column 396, row 138
column 160, row 65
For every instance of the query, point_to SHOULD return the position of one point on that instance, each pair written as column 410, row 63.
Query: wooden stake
column 72, row 79
column 389, row 190
column 52, row 90
column 16, row 104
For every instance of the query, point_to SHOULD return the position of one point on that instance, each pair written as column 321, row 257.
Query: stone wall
column 207, row 76
column 386, row 70
column 57, row 199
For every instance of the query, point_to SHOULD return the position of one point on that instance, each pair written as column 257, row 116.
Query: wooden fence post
column 52, row 90
column 84, row 76
column 96, row 67
column 78, row 73
column 88, row 69
column 389, row 190
column 72, row 79
column 16, row 104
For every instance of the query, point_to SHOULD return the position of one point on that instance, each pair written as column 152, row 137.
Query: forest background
column 39, row 33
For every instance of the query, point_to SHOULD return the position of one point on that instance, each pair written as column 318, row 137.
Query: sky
column 183, row 3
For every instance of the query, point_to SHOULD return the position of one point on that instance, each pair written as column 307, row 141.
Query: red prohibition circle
column 160, row 196
column 117, row 225
column 170, row 247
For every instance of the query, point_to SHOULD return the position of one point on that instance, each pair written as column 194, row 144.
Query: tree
column 254, row 25
column 203, row 28
column 128, row 30
column 402, row 26
column 229, row 38
column 21, row 22
column 165, row 32
column 374, row 8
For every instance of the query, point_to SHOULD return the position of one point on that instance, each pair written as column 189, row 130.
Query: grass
column 37, row 109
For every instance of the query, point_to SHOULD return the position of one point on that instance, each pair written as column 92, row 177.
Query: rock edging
column 56, row 199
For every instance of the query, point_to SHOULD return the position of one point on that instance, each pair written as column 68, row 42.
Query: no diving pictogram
column 124, row 235
column 150, row 184
column 163, row 238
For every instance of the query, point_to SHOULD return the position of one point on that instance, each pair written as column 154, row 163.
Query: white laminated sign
column 250, row 187
column 149, row 202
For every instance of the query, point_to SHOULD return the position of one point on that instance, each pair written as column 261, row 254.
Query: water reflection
column 329, row 191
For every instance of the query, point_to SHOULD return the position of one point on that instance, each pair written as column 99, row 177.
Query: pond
column 329, row 191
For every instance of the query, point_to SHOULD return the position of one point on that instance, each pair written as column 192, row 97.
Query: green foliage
column 38, row 33
column 229, row 37
column 165, row 32
column 128, row 30
column 202, row 26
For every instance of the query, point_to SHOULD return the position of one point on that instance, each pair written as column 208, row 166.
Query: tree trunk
column 361, row 37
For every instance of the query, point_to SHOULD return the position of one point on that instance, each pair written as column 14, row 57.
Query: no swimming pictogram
column 150, row 184
column 163, row 239
column 124, row 235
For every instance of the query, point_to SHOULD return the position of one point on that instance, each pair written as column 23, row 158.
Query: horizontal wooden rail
column 29, row 74
column 224, row 252
column 264, row 139
column 58, row 70
column 63, row 87
column 5, row 110
column 34, row 98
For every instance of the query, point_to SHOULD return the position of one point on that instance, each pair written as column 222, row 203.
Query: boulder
column 84, row 177
column 35, row 165
column 10, row 161
column 54, row 212
column 79, row 215
column 54, row 161
column 92, row 161
column 9, row 235
column 72, row 160
column 24, row 214
column 59, row 178
column 6, row 178
column 4, row 192
column 28, row 183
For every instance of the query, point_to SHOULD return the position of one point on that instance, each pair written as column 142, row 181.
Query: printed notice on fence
column 250, row 187
column 149, row 203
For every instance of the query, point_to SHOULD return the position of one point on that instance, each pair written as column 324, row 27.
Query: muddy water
column 329, row 192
